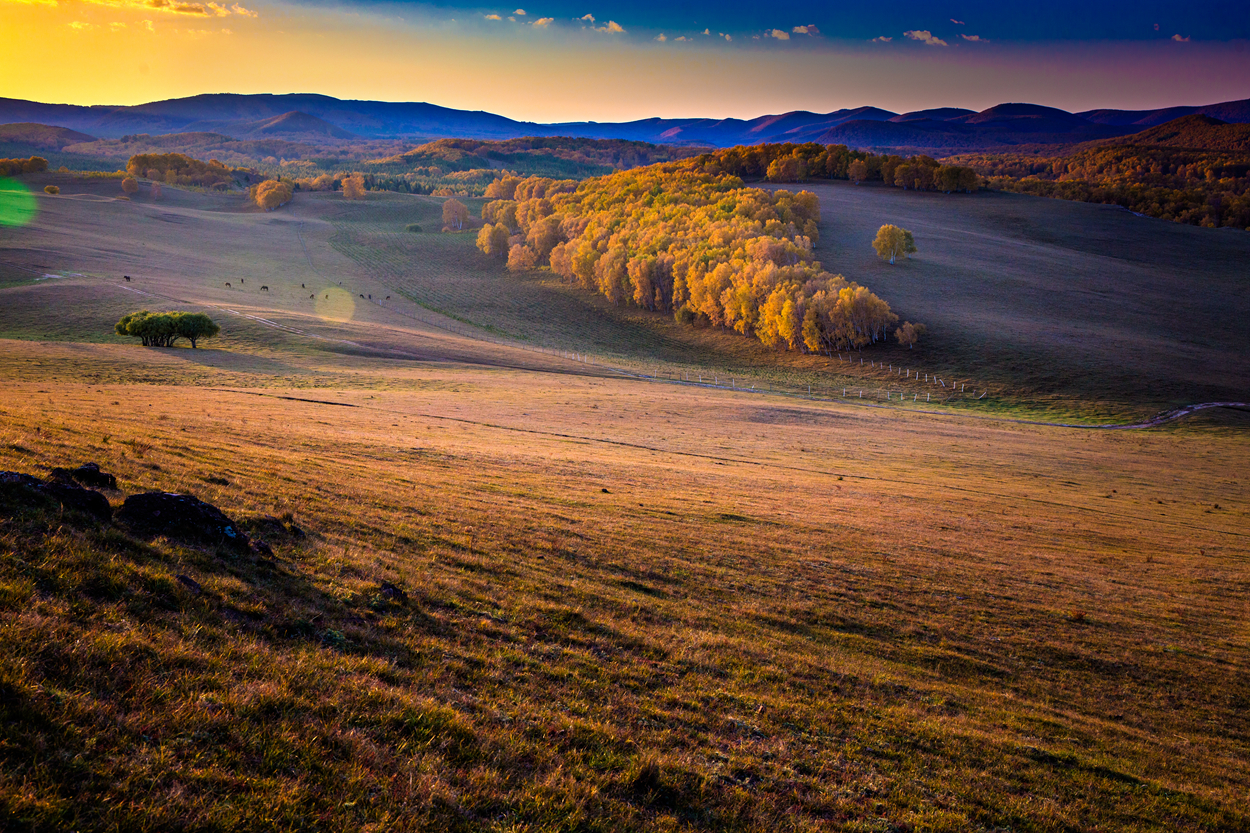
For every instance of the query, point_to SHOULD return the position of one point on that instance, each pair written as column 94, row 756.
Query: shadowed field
column 532, row 594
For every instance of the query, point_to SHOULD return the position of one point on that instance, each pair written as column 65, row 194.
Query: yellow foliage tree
column 271, row 194
column 455, row 214
column 354, row 187
column 130, row 185
column 893, row 241
column 521, row 259
column 493, row 240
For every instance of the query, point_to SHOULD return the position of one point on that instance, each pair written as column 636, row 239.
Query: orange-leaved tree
column 455, row 215
column 354, row 187
column 271, row 194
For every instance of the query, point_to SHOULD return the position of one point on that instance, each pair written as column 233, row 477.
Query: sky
column 611, row 61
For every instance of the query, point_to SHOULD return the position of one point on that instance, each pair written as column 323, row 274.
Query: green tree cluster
column 162, row 329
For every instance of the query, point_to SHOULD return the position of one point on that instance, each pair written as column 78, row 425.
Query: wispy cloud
column 779, row 34
column 973, row 38
column 519, row 13
column 613, row 28
column 882, row 39
column 661, row 37
column 1180, row 39
column 809, row 29
column 79, row 26
column 492, row 17
column 589, row 18
column 924, row 36
column 958, row 22
column 544, row 22
column 209, row 9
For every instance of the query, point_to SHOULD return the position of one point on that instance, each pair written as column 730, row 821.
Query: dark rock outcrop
column 180, row 517
column 88, row 474
column 68, row 494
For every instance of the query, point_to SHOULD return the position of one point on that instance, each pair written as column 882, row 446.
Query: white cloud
column 661, row 38
column 239, row 10
column 79, row 26
column 682, row 39
column 544, row 22
column 973, row 38
column 809, row 29
column 958, row 22
column 1179, row 39
column 925, row 36
column 882, row 39
column 727, row 37
column 613, row 28
column 492, row 17
column 589, row 18
column 707, row 31
column 519, row 13
column 778, row 34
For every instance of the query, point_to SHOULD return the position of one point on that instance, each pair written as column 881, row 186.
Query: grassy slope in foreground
column 764, row 615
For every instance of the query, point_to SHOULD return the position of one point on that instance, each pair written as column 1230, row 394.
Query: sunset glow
column 622, row 63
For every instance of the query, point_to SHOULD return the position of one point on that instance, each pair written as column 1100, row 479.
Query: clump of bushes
column 51, row 189
column 17, row 167
column 413, row 227
column 162, row 329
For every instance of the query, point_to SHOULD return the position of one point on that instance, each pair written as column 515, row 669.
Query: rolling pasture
column 533, row 594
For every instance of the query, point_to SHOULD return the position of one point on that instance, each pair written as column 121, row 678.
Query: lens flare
column 336, row 304
column 17, row 204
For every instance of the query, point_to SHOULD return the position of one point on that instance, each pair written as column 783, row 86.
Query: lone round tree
column 893, row 241
column 162, row 329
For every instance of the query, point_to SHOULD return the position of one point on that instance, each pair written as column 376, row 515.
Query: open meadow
column 514, row 590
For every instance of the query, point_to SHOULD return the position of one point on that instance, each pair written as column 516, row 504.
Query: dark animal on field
column 264, row 289
column 301, row 286
column 242, row 281
column 388, row 297
column 314, row 295
column 327, row 297
column 127, row 277
column 228, row 285
column 370, row 297
column 362, row 296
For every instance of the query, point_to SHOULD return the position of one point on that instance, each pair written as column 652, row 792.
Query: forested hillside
column 1192, row 170
column 688, row 239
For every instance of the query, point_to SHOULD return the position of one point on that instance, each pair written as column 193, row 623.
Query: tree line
column 162, row 329
column 813, row 161
column 17, row 167
column 1199, row 187
column 180, row 169
column 694, row 243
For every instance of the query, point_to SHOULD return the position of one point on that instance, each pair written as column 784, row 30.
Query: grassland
column 626, row 604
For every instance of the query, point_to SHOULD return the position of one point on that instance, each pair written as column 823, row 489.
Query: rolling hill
column 308, row 115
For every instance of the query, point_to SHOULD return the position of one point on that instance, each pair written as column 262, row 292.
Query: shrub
column 162, row 329
column 414, row 227
column 130, row 185
column 51, row 189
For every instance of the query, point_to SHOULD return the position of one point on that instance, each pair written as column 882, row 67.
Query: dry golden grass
column 630, row 606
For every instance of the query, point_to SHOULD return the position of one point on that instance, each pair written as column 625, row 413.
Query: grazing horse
column 388, row 297
column 301, row 286
column 228, row 285
column 314, row 295
column 242, row 281
column 264, row 289
column 127, row 277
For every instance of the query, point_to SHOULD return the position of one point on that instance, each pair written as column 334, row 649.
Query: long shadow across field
column 1065, row 298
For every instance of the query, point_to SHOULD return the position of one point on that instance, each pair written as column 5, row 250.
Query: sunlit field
column 517, row 585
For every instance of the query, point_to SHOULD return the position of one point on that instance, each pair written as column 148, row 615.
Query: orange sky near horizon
column 134, row 51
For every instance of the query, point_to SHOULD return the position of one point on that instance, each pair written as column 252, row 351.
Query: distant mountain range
column 319, row 119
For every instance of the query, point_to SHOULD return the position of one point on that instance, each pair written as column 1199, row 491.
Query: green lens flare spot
column 17, row 204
